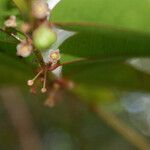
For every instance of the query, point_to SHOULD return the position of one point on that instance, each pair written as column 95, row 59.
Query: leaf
column 114, row 75
column 94, row 42
column 7, row 38
column 23, row 7
column 132, row 14
column 104, row 43
column 8, row 44
column 13, row 71
column 8, row 52
column 6, row 9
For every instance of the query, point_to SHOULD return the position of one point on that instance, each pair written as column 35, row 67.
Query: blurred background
column 115, row 115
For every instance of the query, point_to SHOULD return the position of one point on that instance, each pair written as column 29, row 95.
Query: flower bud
column 40, row 9
column 30, row 82
column 43, row 90
column 25, row 27
column 24, row 49
column 43, row 38
column 11, row 22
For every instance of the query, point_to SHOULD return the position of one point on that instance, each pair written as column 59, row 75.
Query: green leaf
column 101, row 42
column 114, row 75
column 6, row 9
column 94, row 42
column 23, row 7
column 7, row 38
column 122, row 13
column 13, row 71
column 8, row 44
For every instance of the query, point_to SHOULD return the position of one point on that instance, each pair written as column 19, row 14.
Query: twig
column 132, row 136
column 20, row 118
column 39, row 57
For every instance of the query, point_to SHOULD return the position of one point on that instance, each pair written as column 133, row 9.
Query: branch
column 39, row 57
column 20, row 118
column 132, row 136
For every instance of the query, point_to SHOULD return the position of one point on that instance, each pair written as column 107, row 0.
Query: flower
column 54, row 56
column 25, row 27
column 11, row 22
column 40, row 9
column 24, row 49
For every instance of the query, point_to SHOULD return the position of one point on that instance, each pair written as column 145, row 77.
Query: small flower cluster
column 39, row 37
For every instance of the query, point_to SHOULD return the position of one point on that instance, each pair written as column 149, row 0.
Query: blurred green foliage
column 103, row 78
column 132, row 14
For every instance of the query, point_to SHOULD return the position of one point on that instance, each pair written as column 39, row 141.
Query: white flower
column 40, row 9
column 54, row 56
column 24, row 49
column 11, row 22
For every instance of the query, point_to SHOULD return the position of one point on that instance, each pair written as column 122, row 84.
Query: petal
column 52, row 3
column 45, row 55
column 58, row 72
column 142, row 64
column 62, row 35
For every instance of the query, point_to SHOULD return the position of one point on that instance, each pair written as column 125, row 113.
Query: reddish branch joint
column 38, row 39
column 52, row 87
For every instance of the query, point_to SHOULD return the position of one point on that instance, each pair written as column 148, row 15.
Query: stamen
column 51, row 99
column 43, row 90
column 31, row 82
column 50, row 102
column 54, row 56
